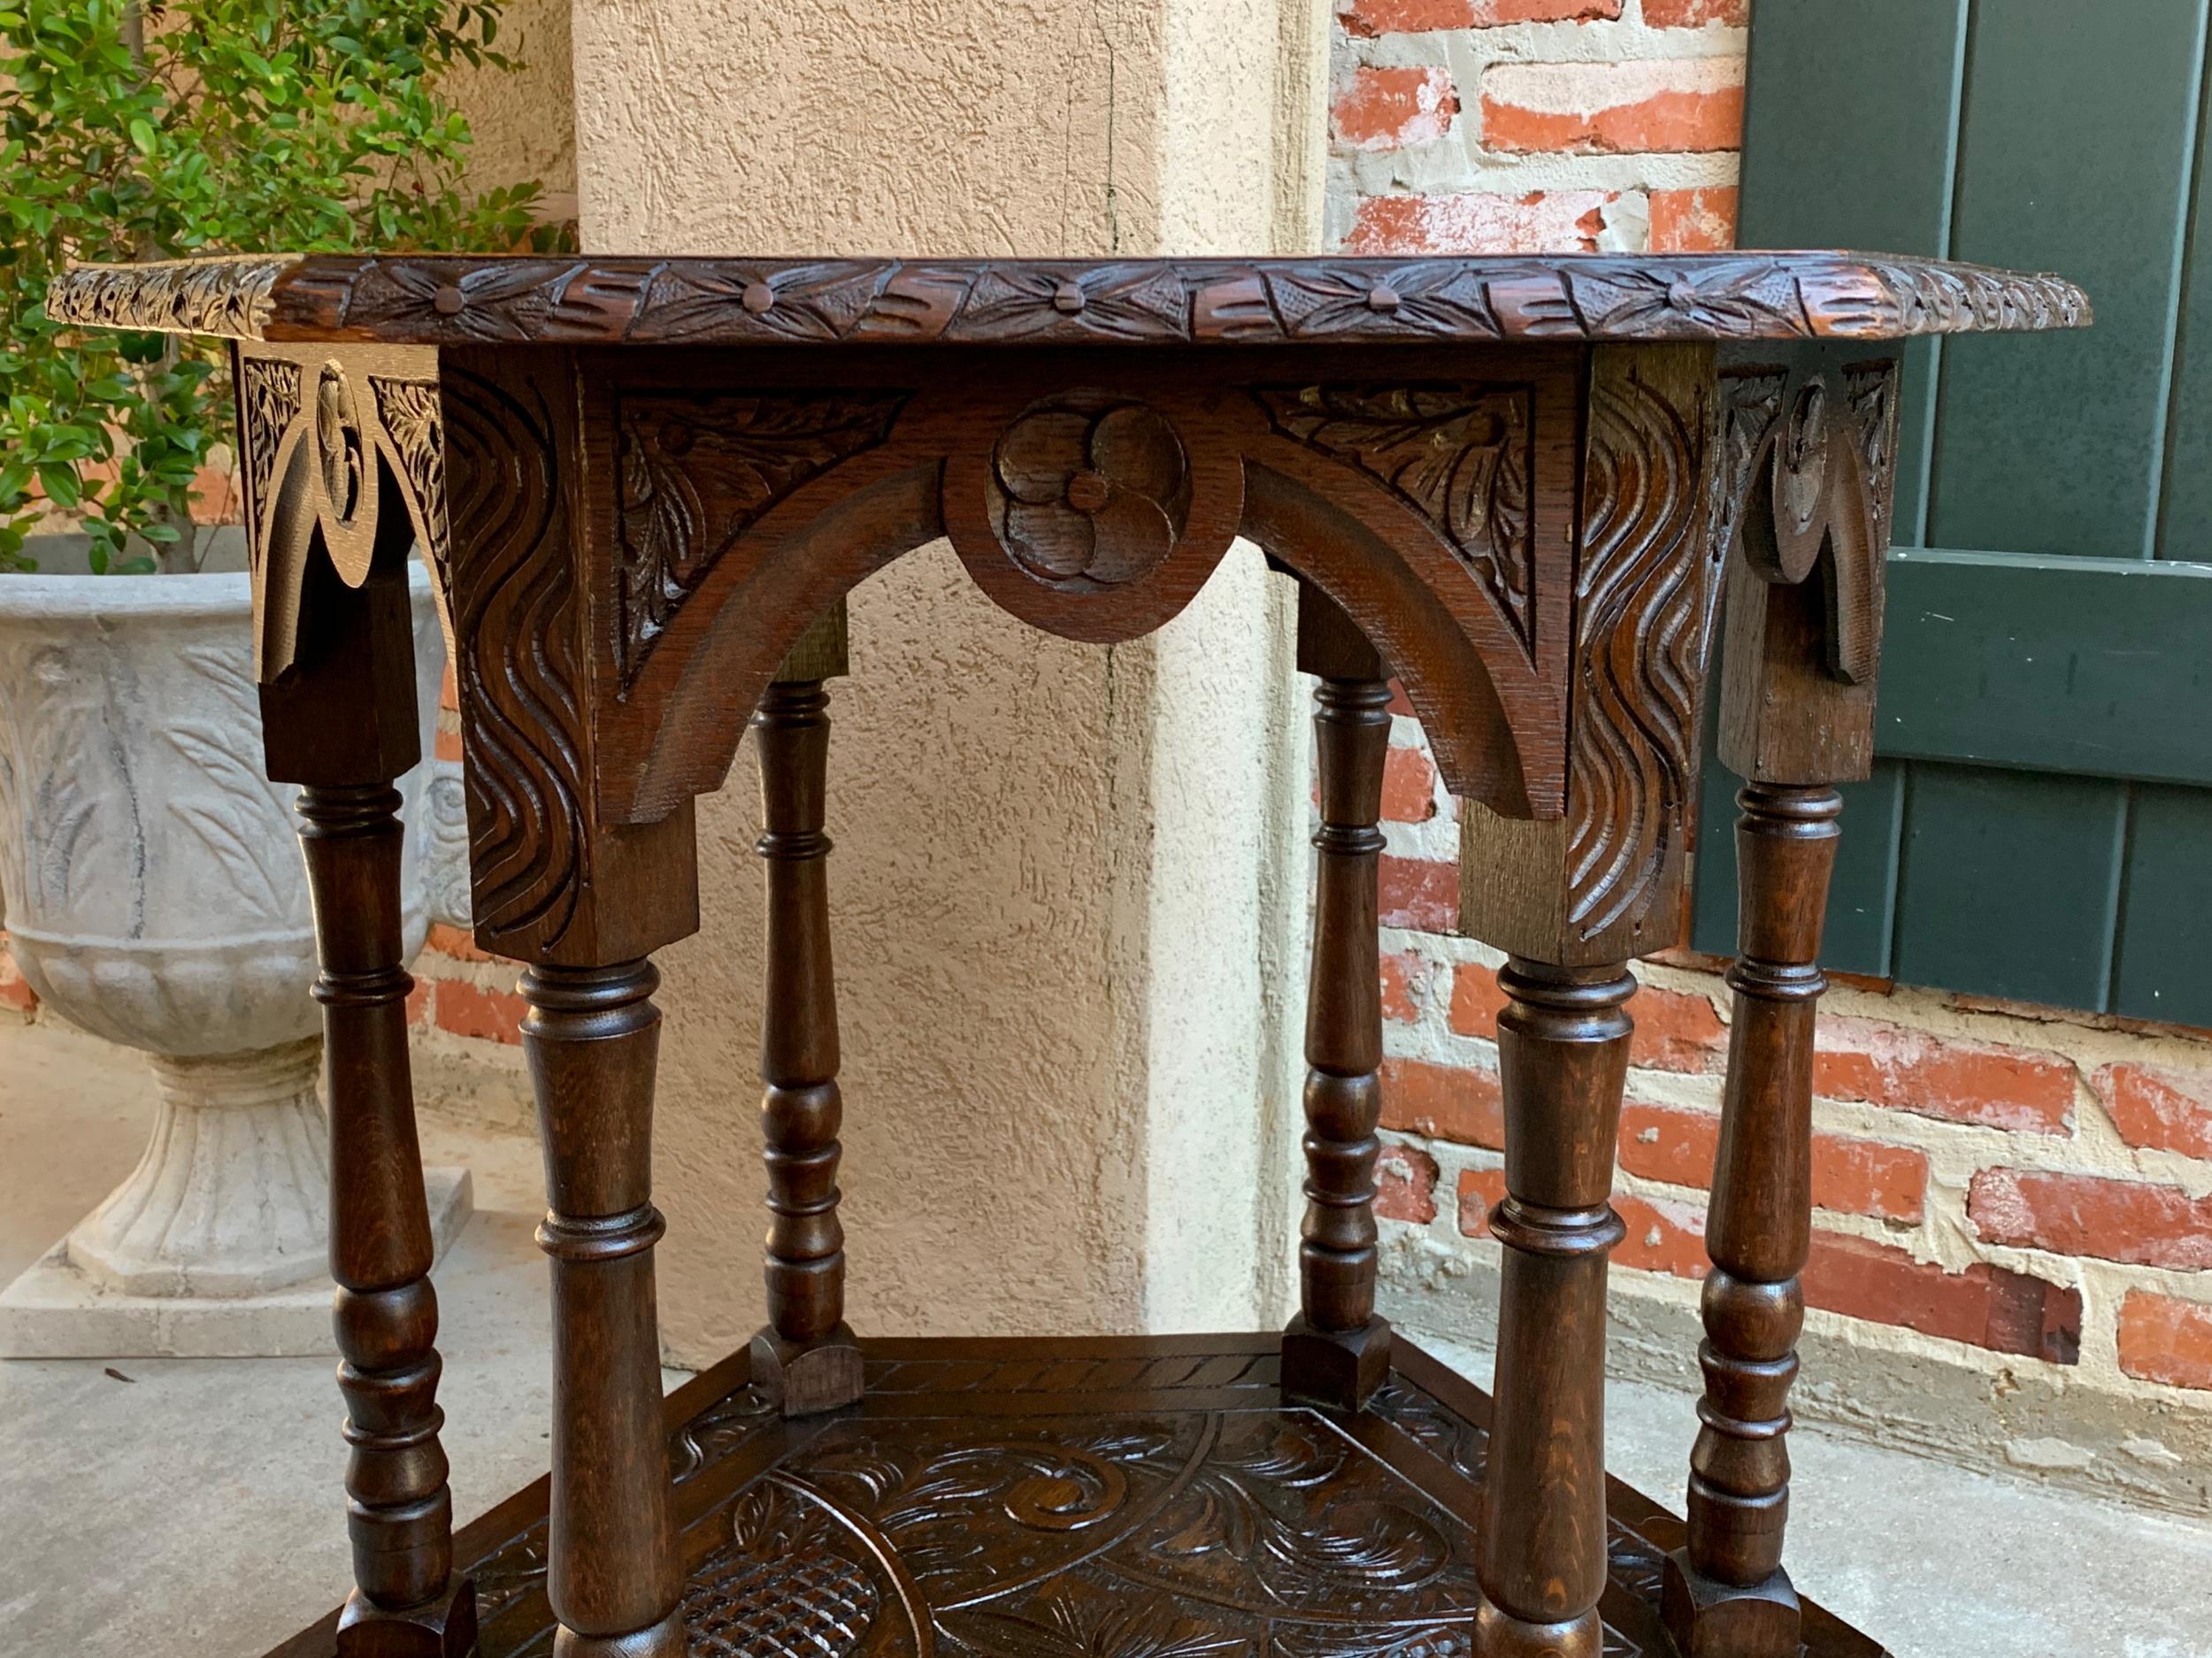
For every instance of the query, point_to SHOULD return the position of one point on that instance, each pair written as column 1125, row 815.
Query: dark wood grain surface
column 421, row 299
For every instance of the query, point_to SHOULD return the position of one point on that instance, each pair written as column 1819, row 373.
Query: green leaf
column 60, row 484
column 323, row 126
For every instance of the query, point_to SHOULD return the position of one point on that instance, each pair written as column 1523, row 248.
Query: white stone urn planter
column 152, row 887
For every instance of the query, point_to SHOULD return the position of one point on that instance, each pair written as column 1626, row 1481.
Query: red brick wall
column 461, row 991
column 1528, row 125
column 2001, row 1180
column 2007, row 1179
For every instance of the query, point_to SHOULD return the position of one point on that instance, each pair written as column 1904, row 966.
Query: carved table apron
column 1518, row 486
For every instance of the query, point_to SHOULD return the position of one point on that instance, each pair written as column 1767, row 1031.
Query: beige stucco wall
column 1061, row 870
column 524, row 119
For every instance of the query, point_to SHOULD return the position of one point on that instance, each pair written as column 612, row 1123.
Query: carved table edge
column 442, row 299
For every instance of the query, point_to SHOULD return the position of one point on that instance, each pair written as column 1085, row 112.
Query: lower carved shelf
column 1101, row 1498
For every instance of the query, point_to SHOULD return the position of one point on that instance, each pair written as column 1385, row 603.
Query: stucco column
column 1069, row 882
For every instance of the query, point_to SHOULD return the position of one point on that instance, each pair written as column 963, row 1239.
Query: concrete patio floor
column 193, row 1508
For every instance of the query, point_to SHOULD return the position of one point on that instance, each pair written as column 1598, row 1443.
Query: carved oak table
column 644, row 487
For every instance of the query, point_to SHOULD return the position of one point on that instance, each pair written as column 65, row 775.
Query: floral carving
column 1461, row 455
column 1069, row 1625
column 1465, row 1449
column 1870, row 390
column 697, row 473
column 409, row 411
column 511, row 1575
column 1091, row 494
column 224, row 295
column 268, row 402
column 1119, row 301
column 1259, row 1373
column 1634, row 1560
column 1820, row 490
column 719, row 1431
column 1750, row 411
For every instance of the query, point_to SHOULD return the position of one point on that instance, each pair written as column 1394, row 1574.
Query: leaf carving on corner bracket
column 697, row 473
column 1461, row 455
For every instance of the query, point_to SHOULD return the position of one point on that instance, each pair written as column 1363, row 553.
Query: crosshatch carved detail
column 514, row 618
column 1090, row 492
column 1643, row 609
column 1461, row 455
column 698, row 471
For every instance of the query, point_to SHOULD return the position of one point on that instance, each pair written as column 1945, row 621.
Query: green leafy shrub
column 146, row 132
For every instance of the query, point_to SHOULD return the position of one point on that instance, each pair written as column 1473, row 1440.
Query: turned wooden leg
column 807, row 1356
column 1726, row 1594
column 400, row 1514
column 1336, row 1351
column 613, row 1574
column 1562, row 1058
column 341, row 721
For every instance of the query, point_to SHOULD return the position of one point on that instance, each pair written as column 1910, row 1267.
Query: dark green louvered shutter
column 2039, row 825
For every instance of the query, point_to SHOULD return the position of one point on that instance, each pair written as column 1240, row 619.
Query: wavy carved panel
column 514, row 608
column 1644, row 595
column 697, row 472
column 1461, row 455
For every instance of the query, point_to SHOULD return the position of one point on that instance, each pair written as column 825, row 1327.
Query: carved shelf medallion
column 1206, row 1522
column 1089, row 492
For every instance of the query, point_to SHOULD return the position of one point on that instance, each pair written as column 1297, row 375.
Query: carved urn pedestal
column 155, row 896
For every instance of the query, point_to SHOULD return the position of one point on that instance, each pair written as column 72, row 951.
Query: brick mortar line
column 2103, row 1285
column 1921, row 1011
column 438, row 968
column 1595, row 40
column 1445, row 1251
column 1444, row 167
column 1955, row 1150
